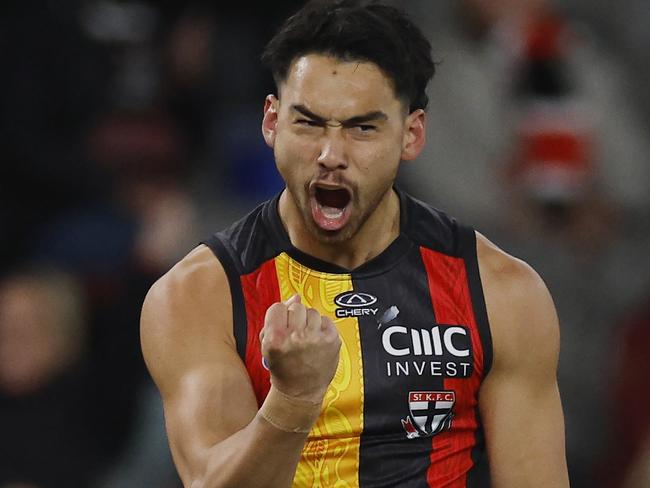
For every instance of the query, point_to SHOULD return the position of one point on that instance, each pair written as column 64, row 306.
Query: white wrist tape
column 289, row 414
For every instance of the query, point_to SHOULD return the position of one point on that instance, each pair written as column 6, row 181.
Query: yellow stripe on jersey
column 331, row 455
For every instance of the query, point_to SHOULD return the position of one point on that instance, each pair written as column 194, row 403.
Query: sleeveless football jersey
column 401, row 410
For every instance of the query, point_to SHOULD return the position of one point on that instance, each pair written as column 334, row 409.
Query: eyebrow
column 374, row 116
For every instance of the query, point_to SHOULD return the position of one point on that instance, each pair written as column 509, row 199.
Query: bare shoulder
column 196, row 286
column 519, row 399
column 520, row 309
column 186, row 313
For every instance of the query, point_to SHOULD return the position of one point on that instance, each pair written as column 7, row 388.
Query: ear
column 270, row 120
column 415, row 137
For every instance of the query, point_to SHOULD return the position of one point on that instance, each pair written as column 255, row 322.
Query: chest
column 411, row 356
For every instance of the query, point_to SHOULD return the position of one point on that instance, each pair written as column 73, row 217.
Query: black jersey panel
column 251, row 240
column 393, row 367
column 429, row 227
column 479, row 475
column 232, row 269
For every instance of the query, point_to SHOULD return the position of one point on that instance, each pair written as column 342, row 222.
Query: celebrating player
column 344, row 334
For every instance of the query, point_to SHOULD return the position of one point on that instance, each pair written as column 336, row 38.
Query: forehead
column 338, row 89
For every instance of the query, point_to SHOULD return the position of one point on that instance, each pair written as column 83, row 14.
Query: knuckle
column 275, row 316
column 296, row 338
column 266, row 335
column 277, row 307
column 268, row 344
column 296, row 307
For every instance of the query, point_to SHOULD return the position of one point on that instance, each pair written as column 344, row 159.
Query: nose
column 332, row 154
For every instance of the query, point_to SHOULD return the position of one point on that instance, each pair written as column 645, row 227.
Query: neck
column 372, row 238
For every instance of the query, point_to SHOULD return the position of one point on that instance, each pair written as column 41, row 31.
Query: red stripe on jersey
column 260, row 289
column 452, row 303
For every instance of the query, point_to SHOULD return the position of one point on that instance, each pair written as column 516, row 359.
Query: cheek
column 377, row 161
column 293, row 158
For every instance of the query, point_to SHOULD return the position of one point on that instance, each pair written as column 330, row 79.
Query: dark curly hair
column 353, row 30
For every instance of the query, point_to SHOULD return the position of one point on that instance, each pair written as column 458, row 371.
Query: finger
column 313, row 320
column 332, row 336
column 327, row 324
column 292, row 299
column 276, row 317
column 329, row 329
column 275, row 325
column 297, row 317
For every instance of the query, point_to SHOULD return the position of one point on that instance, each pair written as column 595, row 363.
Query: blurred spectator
column 478, row 104
column 119, row 246
column 551, row 181
column 189, row 52
column 625, row 27
column 53, row 83
column 47, row 431
column 628, row 459
column 146, row 155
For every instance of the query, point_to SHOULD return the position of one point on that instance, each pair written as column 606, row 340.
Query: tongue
column 329, row 218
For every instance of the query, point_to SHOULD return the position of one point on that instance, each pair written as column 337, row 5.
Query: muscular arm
column 216, row 435
column 519, row 400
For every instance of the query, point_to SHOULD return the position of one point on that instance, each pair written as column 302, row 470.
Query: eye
column 365, row 128
column 308, row 123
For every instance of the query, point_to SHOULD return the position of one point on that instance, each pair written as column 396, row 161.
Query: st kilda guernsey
column 402, row 409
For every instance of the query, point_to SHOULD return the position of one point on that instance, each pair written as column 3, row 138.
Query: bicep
column 208, row 403
column 519, row 400
column 524, row 429
column 189, row 349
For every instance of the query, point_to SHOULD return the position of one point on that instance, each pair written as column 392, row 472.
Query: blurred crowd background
column 130, row 130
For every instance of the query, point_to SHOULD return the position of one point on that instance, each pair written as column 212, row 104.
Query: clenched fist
column 301, row 348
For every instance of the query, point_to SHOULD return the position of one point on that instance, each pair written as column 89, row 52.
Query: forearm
column 257, row 456
column 265, row 452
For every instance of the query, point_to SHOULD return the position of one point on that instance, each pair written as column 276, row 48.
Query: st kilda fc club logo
column 430, row 412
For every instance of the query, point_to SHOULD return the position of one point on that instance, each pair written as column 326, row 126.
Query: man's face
column 338, row 133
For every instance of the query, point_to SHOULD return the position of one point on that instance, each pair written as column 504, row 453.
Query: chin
column 333, row 237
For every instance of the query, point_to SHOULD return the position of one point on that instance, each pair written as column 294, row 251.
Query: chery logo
column 355, row 299
column 355, row 304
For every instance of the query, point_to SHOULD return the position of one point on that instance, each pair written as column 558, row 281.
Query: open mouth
column 330, row 207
